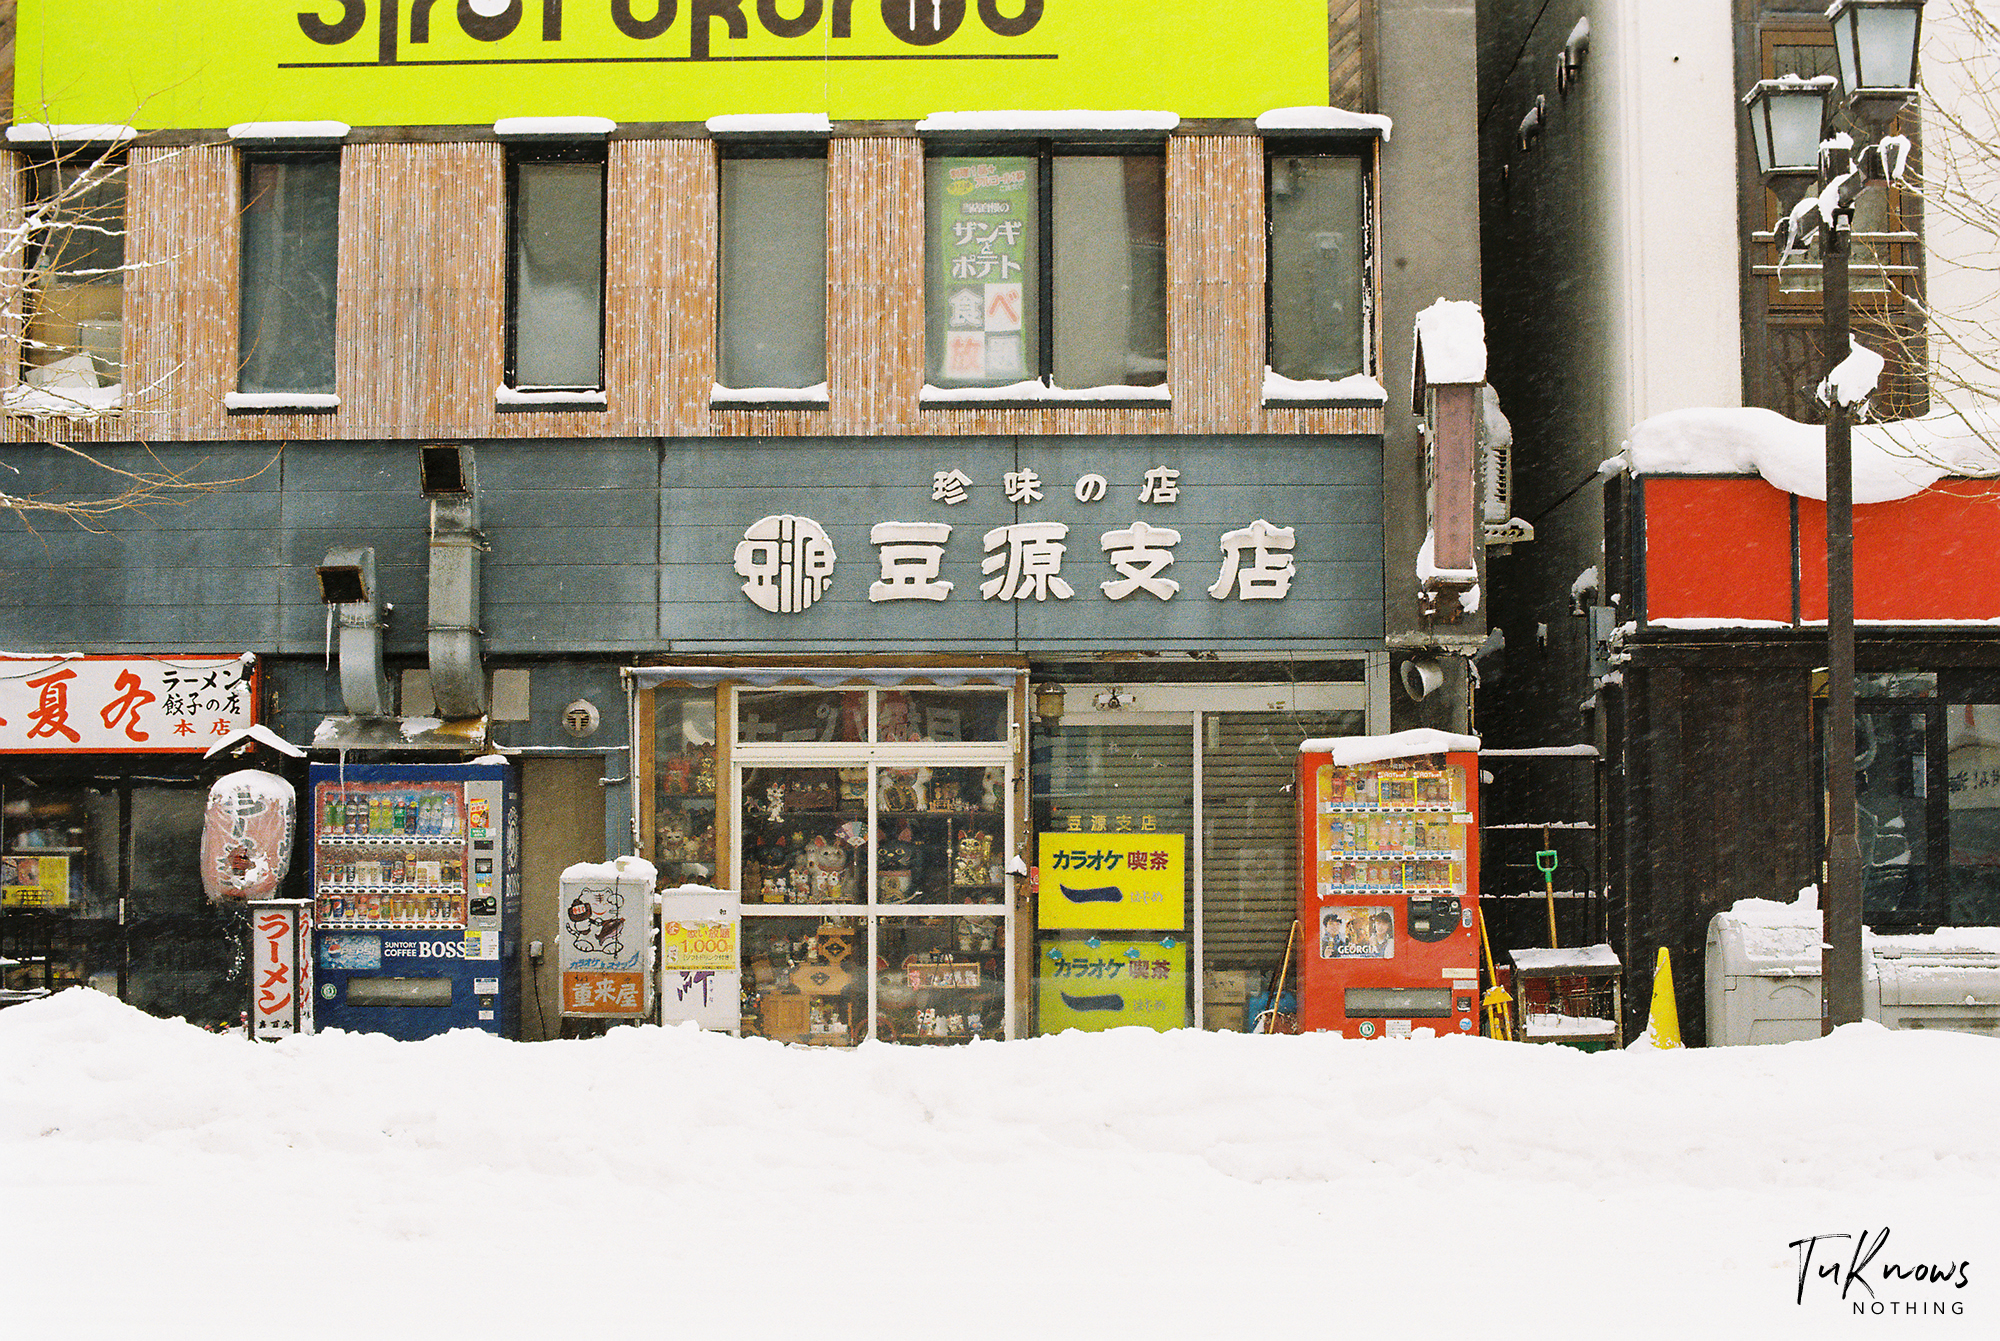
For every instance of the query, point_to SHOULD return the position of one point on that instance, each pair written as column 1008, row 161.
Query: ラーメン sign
column 215, row 63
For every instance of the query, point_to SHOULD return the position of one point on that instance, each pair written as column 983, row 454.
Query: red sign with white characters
column 280, row 968
column 123, row 704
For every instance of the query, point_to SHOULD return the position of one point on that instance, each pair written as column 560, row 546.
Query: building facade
column 827, row 463
column 1675, row 620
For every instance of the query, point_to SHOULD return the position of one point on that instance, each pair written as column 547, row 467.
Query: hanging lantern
column 246, row 835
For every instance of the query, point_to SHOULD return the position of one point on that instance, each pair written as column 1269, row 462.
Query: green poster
column 984, row 266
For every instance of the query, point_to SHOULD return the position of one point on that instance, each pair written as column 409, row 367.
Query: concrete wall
column 1430, row 243
column 1961, row 77
column 1611, row 292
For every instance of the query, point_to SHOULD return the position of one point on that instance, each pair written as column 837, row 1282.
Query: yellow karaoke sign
column 215, row 63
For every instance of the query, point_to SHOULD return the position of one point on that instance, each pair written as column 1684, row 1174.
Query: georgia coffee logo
column 1854, row 1270
column 916, row 23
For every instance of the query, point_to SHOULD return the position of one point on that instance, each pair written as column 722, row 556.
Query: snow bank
column 1157, row 1185
column 1891, row 460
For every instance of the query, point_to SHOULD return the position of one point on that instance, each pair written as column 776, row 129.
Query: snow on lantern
column 246, row 835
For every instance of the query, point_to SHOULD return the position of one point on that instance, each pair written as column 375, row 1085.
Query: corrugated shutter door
column 1250, row 830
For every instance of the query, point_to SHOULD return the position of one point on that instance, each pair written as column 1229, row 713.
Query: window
column 773, row 271
column 556, row 270
column 75, row 278
column 291, row 215
column 1321, row 295
column 1046, row 264
column 1927, row 792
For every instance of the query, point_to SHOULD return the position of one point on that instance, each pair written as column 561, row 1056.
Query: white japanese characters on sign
column 109, row 704
column 1028, row 556
column 1253, row 561
column 912, row 552
column 1140, row 553
column 788, row 561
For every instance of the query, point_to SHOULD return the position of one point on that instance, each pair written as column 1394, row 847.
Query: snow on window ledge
column 760, row 397
column 63, row 402
column 1020, row 122
column 773, row 123
column 290, row 130
column 531, row 398
column 279, row 402
column 1358, row 389
column 44, row 132
column 553, row 127
column 1041, row 393
column 1324, row 118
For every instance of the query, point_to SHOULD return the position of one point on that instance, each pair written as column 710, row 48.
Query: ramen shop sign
column 123, row 705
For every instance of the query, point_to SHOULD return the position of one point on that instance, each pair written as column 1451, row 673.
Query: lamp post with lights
column 1876, row 42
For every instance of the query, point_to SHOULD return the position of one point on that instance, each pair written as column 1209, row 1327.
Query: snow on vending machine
column 417, row 905
column 1389, row 884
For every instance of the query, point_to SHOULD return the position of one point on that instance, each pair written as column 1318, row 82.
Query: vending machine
column 1389, row 885
column 417, row 902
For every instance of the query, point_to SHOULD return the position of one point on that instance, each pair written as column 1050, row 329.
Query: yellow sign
column 1112, row 983
column 214, row 63
column 1135, row 881
column 698, row 945
column 34, row 882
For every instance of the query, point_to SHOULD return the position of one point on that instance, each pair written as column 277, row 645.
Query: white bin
column 1936, row 988
column 1762, row 975
column 1762, row 967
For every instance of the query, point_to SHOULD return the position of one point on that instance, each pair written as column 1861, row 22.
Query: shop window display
column 864, row 865
column 684, row 787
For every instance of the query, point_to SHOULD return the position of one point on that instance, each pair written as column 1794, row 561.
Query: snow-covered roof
column 1348, row 751
column 1451, row 343
column 1891, row 460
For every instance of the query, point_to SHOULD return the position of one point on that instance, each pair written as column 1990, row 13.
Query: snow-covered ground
column 156, row 1180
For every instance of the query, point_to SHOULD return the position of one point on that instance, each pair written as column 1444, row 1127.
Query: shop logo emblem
column 788, row 562
column 1099, row 894
column 1105, row 1001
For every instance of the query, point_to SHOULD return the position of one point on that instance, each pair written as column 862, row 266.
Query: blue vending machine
column 417, row 893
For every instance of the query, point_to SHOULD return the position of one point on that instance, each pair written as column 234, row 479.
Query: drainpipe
column 457, row 663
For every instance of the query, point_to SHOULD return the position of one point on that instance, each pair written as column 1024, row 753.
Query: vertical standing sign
column 701, row 977
column 604, row 948
column 1096, row 890
column 280, row 968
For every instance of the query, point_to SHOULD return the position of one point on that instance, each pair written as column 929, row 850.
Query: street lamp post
column 1876, row 41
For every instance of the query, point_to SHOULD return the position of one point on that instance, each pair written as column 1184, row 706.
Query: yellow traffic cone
column 1663, row 1024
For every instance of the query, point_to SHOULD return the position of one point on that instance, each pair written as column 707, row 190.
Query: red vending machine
column 1389, row 884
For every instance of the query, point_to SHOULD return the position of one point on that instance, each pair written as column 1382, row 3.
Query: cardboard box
column 1223, row 1018
column 1225, row 985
